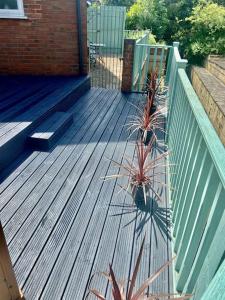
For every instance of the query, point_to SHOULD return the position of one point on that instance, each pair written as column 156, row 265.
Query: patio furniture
column 95, row 52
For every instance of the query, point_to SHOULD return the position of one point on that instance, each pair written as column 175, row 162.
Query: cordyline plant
column 153, row 89
column 141, row 173
column 152, row 86
column 118, row 289
column 147, row 122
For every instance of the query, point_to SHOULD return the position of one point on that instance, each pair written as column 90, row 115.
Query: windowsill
column 20, row 17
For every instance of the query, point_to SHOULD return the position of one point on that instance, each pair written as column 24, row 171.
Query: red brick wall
column 46, row 42
column 128, row 59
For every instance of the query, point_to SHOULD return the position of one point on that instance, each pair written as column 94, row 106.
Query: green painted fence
column 105, row 26
column 147, row 58
column 140, row 60
column 197, row 179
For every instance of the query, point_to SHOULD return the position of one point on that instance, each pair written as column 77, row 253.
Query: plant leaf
column 134, row 276
column 150, row 280
column 116, row 290
column 97, row 294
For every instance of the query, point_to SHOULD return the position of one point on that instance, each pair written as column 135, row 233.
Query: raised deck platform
column 63, row 223
column 27, row 103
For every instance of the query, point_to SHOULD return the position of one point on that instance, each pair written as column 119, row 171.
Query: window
column 11, row 9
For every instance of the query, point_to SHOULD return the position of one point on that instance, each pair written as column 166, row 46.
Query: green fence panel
column 197, row 176
column 141, row 56
column 147, row 58
column 105, row 25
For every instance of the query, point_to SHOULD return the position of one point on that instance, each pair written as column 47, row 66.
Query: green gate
column 106, row 26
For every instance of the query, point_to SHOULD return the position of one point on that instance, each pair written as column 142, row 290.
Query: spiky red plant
column 152, row 87
column 141, row 171
column 147, row 122
column 118, row 288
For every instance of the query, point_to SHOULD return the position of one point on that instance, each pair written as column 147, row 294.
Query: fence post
column 9, row 289
column 176, row 63
column 128, row 60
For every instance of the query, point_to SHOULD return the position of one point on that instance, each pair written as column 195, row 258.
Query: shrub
column 206, row 32
column 148, row 14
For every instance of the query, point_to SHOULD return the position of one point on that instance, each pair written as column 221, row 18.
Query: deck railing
column 140, row 59
column 147, row 58
column 197, row 179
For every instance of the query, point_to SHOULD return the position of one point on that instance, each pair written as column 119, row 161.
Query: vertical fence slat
column 148, row 53
column 169, row 63
column 161, row 62
column 154, row 58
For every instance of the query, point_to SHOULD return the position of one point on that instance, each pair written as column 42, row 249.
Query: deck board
column 63, row 223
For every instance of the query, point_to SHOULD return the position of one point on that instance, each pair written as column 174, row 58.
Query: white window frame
column 13, row 13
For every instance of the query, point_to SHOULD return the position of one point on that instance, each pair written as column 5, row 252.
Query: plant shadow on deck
column 151, row 212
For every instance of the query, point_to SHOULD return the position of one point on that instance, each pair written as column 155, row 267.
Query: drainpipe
column 80, row 38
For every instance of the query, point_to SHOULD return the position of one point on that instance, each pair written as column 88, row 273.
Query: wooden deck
column 63, row 223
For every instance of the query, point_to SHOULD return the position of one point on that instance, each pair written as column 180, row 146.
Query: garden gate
column 105, row 25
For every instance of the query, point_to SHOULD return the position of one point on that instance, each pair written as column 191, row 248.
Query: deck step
column 45, row 136
column 14, row 133
column 211, row 92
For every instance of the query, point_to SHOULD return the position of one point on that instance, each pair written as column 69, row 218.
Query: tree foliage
column 199, row 25
column 205, row 31
column 126, row 3
column 148, row 14
column 177, row 12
